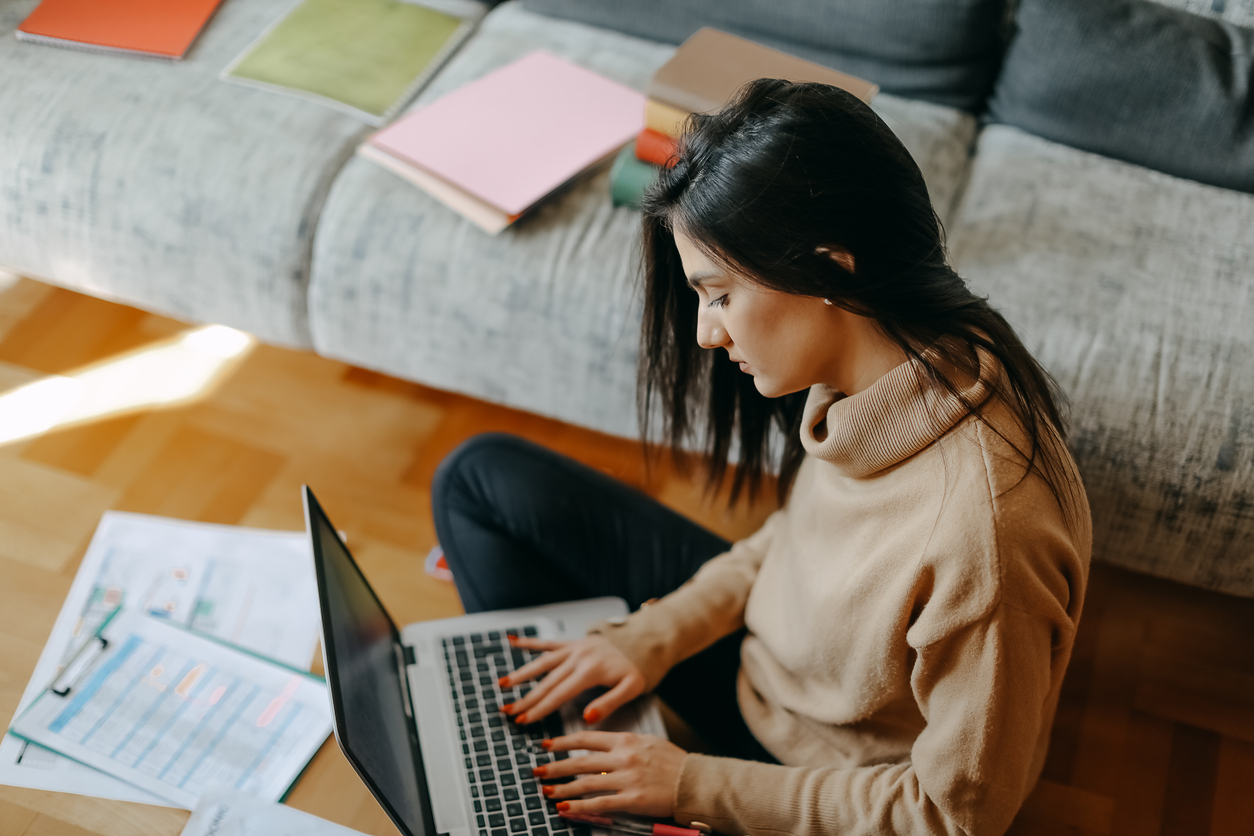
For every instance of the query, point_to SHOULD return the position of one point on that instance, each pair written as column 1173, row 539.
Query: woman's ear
column 841, row 256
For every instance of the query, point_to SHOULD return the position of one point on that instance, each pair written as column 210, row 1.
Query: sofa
column 1092, row 160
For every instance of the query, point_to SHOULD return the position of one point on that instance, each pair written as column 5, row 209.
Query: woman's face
column 787, row 342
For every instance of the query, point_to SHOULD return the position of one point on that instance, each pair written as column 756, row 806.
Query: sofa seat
column 1136, row 290
column 158, row 184
column 545, row 316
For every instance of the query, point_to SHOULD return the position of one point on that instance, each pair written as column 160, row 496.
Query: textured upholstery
column 942, row 51
column 1136, row 289
column 544, row 316
column 158, row 184
column 1136, row 81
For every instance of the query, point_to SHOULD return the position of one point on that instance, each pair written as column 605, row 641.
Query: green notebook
column 630, row 178
column 368, row 57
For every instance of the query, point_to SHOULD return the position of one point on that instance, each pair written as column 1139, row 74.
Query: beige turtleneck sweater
column 910, row 614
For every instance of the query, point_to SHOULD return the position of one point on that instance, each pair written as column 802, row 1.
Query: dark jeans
column 522, row 526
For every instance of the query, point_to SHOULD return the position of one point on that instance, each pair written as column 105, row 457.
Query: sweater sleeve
column 983, row 692
column 709, row 606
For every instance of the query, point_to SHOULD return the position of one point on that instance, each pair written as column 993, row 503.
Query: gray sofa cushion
column 943, row 51
column 157, row 184
column 544, row 316
column 1136, row 289
column 1136, row 81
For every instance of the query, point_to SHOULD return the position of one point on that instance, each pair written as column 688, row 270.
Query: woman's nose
column 710, row 333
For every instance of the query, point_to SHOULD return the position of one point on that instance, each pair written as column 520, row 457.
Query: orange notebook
column 159, row 28
column 657, row 148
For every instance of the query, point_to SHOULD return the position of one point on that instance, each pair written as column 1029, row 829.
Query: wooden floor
column 1155, row 734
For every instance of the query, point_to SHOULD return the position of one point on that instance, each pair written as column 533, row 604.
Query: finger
column 564, row 691
column 598, row 805
column 596, row 741
column 536, row 644
column 554, row 679
column 583, row 765
column 535, row 667
column 582, row 786
column 603, row 706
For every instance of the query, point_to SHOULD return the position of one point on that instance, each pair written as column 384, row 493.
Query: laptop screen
column 360, row 644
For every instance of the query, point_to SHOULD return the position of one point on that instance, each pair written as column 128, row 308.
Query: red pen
column 636, row 828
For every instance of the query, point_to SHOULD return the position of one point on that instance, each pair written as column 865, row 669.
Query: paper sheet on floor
column 176, row 714
column 239, row 814
column 251, row 587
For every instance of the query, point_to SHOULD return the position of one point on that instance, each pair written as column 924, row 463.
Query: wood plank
column 49, row 514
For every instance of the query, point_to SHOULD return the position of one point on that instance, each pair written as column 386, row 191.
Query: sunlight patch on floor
column 164, row 374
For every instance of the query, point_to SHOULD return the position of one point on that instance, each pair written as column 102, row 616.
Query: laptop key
column 558, row 823
column 500, row 749
column 470, row 775
column 474, row 791
column 512, row 810
column 517, row 825
column 496, row 820
column 483, row 760
column 487, row 775
column 539, row 831
column 490, row 789
column 530, row 788
column 479, row 808
column 507, row 779
column 498, row 735
column 501, row 832
column 481, row 745
column 480, row 821
column 476, row 638
column 536, row 819
column 477, row 731
column 470, row 764
column 504, row 765
column 534, row 803
column 475, row 717
column 561, row 756
column 530, row 632
column 511, row 794
column 460, row 641
column 493, row 805
column 523, row 759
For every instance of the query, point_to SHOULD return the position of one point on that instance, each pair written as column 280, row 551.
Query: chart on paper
column 175, row 714
column 249, row 587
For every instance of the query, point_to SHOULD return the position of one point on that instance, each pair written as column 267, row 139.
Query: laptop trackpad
column 438, row 758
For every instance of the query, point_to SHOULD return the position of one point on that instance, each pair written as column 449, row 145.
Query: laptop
column 416, row 710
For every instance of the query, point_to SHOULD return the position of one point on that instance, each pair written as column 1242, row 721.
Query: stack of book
column 703, row 75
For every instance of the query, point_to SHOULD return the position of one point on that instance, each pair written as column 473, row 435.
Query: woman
column 885, row 654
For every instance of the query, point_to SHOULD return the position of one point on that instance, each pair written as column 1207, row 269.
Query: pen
column 636, row 828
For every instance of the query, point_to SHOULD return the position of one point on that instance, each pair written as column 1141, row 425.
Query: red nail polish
column 591, row 715
column 503, row 682
column 511, row 637
column 508, row 708
column 548, row 790
column 547, row 744
column 521, row 719
column 563, row 805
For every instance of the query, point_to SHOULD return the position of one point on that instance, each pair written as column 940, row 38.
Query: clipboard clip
column 78, row 665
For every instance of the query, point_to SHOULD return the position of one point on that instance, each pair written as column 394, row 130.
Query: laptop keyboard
column 498, row 753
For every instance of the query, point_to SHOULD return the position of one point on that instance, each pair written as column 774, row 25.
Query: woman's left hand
column 640, row 770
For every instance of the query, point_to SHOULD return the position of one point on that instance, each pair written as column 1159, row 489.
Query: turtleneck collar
column 887, row 423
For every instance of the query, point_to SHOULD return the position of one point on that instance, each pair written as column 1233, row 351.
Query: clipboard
column 177, row 713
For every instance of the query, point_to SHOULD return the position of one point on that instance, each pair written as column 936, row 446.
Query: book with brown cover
column 711, row 65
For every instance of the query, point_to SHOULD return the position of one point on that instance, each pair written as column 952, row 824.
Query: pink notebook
column 519, row 132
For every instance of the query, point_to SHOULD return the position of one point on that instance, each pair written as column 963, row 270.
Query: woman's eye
column 719, row 302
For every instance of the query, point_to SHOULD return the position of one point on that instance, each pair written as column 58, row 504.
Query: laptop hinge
column 410, row 657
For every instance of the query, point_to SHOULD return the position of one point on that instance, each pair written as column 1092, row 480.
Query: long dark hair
column 761, row 186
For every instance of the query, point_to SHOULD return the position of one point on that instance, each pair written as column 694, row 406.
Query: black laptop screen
column 370, row 718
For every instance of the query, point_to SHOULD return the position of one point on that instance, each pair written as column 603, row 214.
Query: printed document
column 226, row 813
column 176, row 714
column 251, row 587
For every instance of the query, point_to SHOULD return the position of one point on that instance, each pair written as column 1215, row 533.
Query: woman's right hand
column 572, row 668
